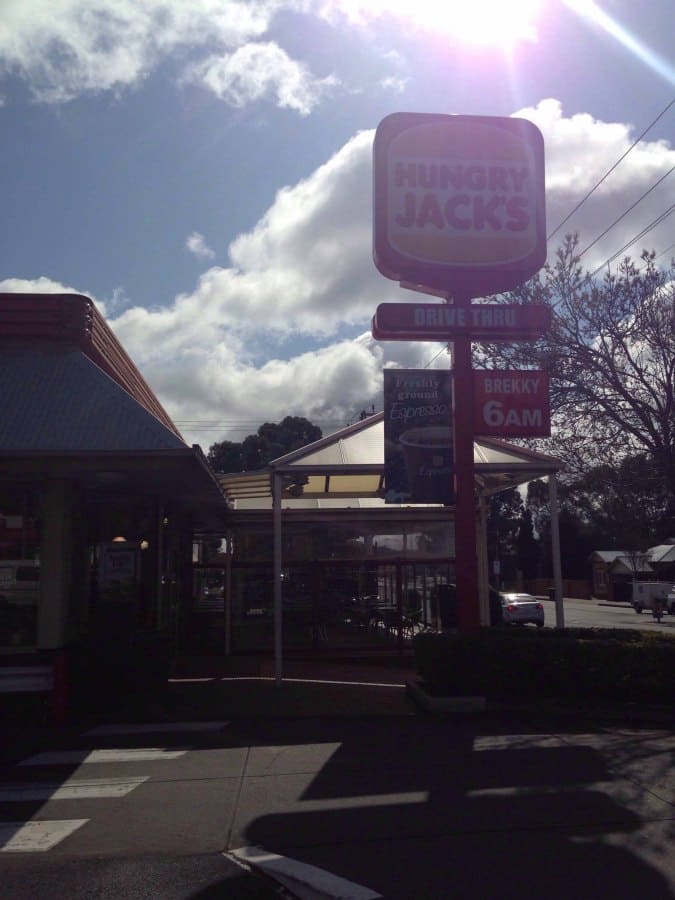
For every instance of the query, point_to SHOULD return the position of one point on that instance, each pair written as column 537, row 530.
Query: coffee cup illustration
column 429, row 460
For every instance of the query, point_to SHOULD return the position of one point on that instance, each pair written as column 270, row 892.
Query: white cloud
column 579, row 151
column 41, row 285
column 306, row 269
column 258, row 71
column 99, row 45
column 197, row 245
column 395, row 83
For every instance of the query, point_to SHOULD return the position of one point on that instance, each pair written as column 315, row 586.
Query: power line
column 610, row 170
column 657, row 221
column 442, row 350
column 624, row 214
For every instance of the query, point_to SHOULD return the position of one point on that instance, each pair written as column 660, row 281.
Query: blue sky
column 202, row 169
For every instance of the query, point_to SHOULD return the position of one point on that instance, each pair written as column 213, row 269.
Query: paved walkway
column 338, row 770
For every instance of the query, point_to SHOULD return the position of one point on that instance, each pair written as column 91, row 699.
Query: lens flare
column 499, row 23
column 595, row 15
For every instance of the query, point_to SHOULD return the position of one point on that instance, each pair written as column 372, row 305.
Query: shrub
column 570, row 663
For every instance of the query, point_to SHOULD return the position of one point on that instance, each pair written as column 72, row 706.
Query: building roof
column 624, row 561
column 662, row 554
column 349, row 464
column 607, row 556
column 74, row 320
column 65, row 416
column 54, row 397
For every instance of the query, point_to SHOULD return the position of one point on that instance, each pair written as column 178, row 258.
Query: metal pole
column 228, row 596
column 278, row 622
column 468, row 611
column 483, row 562
column 555, row 551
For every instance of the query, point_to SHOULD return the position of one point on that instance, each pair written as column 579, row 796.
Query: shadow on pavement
column 424, row 809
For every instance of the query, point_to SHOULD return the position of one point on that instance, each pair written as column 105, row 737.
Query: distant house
column 662, row 560
column 614, row 570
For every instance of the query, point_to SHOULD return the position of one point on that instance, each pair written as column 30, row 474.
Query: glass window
column 19, row 568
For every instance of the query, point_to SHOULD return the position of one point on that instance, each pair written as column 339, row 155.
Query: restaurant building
column 122, row 552
column 99, row 499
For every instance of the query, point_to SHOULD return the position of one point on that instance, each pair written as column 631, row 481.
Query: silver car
column 522, row 609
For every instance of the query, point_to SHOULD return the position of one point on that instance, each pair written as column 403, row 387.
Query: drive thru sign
column 445, row 322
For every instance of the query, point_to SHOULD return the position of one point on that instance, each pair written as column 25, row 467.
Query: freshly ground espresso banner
column 418, row 437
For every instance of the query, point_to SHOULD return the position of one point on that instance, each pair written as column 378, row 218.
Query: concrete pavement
column 338, row 770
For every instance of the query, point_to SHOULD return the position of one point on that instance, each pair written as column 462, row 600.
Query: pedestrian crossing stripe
column 74, row 789
column 32, row 837
column 74, row 757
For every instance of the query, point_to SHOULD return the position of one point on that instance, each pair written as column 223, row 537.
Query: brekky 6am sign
column 459, row 201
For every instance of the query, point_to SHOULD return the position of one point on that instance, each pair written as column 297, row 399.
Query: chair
column 411, row 622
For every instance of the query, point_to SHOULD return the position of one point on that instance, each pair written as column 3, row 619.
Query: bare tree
column 611, row 358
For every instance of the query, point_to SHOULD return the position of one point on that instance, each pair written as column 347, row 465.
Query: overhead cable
column 610, row 170
column 657, row 221
column 624, row 214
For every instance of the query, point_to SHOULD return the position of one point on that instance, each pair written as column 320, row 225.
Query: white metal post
column 555, row 551
column 483, row 574
column 278, row 623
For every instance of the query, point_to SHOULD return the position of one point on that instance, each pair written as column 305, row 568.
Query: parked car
column 522, row 609
column 644, row 594
column 670, row 602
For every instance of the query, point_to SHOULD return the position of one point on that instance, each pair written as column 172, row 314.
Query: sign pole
column 459, row 211
column 466, row 560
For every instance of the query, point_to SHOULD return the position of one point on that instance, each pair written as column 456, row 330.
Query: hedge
column 574, row 663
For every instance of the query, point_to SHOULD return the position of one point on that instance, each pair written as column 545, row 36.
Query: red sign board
column 444, row 322
column 511, row 403
column 459, row 201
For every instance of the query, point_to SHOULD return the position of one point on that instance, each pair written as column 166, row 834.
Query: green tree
column 624, row 506
column 504, row 514
column 527, row 546
column 226, row 456
column 271, row 441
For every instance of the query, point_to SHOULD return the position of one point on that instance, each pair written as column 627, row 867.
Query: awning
column 348, row 466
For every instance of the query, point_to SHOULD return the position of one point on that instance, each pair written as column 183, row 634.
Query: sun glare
column 496, row 23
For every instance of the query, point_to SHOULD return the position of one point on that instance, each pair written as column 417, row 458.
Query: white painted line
column 154, row 727
column 35, row 837
column 72, row 757
column 70, row 790
column 296, row 875
column 378, row 684
column 382, row 684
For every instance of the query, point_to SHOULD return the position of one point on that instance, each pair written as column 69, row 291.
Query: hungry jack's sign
column 459, row 201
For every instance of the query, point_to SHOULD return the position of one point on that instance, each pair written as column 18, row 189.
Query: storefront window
column 346, row 540
column 132, row 562
column 19, row 569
